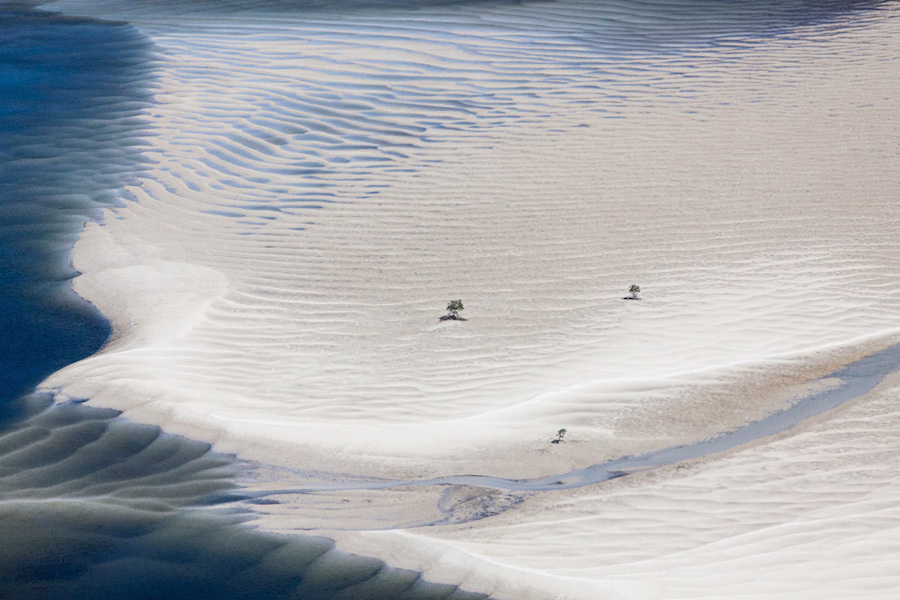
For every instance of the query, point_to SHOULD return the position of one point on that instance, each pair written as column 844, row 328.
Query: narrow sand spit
column 324, row 185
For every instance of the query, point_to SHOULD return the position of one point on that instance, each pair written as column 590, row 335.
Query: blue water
column 50, row 72
column 92, row 506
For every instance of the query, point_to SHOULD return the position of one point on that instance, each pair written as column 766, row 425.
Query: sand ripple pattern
column 103, row 508
column 326, row 178
column 325, row 182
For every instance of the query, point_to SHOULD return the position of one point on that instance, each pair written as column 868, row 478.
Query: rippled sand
column 324, row 182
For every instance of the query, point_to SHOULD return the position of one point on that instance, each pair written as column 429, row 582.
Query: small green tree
column 559, row 436
column 635, row 292
column 453, row 309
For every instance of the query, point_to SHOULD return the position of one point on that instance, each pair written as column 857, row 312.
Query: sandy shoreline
column 319, row 193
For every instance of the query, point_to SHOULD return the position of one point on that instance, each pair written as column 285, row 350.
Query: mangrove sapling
column 635, row 291
column 559, row 436
column 453, row 309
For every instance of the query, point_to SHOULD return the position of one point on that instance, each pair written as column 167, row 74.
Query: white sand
column 812, row 515
column 322, row 187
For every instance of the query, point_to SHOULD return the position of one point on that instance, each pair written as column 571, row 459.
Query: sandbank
column 318, row 195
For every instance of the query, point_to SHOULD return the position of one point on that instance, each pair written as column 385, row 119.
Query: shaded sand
column 92, row 506
column 321, row 187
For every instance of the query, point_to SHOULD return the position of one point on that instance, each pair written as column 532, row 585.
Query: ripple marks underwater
column 92, row 506
column 71, row 96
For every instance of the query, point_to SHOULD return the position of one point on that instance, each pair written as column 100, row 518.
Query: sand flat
column 809, row 515
column 322, row 187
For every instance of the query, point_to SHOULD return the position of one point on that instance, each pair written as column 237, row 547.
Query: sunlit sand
column 322, row 185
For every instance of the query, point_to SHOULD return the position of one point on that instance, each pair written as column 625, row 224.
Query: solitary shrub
column 559, row 436
column 635, row 292
column 453, row 309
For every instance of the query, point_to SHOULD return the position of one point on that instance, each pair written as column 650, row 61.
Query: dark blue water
column 56, row 172
column 92, row 506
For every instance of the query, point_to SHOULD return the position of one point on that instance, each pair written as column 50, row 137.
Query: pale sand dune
column 322, row 187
